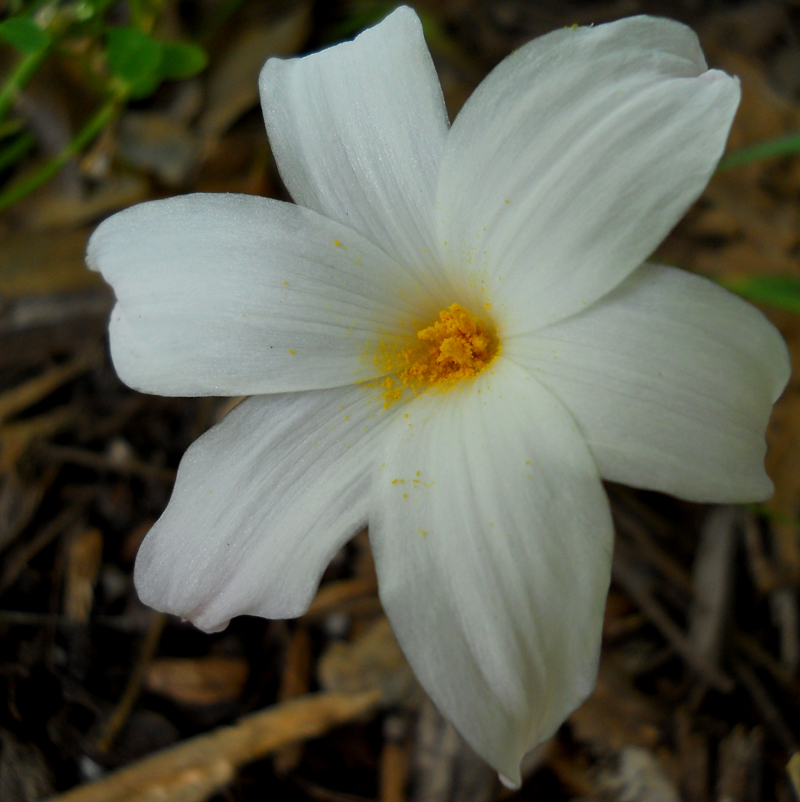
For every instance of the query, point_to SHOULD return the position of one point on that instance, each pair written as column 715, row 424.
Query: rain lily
column 453, row 338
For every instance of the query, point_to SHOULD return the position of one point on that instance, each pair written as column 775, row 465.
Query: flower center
column 456, row 346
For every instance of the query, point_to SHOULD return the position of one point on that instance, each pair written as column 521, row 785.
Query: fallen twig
column 122, row 711
column 19, row 559
column 768, row 710
column 194, row 770
column 713, row 578
column 31, row 392
column 104, row 464
column 760, row 657
column 637, row 588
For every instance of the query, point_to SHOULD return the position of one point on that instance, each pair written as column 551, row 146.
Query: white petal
column 239, row 295
column 573, row 160
column 492, row 540
column 672, row 380
column 358, row 130
column 262, row 502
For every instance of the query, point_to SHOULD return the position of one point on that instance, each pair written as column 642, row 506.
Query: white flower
column 526, row 225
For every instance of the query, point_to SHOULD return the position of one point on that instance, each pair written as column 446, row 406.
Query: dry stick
column 713, row 579
column 194, row 770
column 393, row 772
column 786, row 619
column 132, row 690
column 50, row 531
column 19, row 503
column 17, row 437
column 628, row 524
column 738, row 764
column 766, row 707
column 31, row 392
column 759, row 656
column 692, row 756
column 762, row 570
column 100, row 462
column 394, row 761
column 295, row 682
column 637, row 588
column 121, row 623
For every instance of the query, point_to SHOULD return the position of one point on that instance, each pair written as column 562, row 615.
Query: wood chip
column 84, row 558
column 197, row 681
column 119, row 716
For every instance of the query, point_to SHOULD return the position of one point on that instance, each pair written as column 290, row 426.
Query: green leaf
column 772, row 149
column 182, row 60
column 135, row 58
column 782, row 292
column 24, row 34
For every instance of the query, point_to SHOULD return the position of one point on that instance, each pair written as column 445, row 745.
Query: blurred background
column 106, row 103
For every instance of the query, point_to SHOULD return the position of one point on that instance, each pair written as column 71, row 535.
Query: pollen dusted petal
column 240, row 295
column 261, row 504
column 572, row 161
column 358, row 131
column 492, row 539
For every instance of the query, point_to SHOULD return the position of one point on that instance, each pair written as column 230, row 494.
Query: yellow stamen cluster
column 454, row 347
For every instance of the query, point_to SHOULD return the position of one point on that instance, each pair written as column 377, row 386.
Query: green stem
column 89, row 131
column 23, row 72
column 775, row 148
column 16, row 150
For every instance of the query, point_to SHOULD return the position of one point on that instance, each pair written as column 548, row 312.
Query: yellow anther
column 456, row 346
